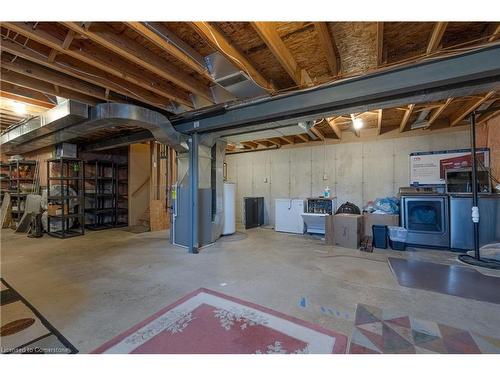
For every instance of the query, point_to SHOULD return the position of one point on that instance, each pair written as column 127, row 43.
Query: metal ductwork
column 65, row 114
column 70, row 120
column 231, row 82
column 109, row 115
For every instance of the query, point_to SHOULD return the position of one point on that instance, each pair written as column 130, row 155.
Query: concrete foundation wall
column 355, row 172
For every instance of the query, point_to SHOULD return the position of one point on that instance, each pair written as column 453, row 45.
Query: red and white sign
column 429, row 168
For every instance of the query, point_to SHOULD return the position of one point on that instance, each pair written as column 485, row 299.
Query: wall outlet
column 325, row 177
column 265, row 180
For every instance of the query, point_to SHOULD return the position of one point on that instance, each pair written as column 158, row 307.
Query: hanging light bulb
column 357, row 123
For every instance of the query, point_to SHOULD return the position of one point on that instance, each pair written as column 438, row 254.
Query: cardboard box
column 56, row 209
column 378, row 219
column 347, row 229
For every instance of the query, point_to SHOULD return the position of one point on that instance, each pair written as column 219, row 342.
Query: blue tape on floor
column 302, row 302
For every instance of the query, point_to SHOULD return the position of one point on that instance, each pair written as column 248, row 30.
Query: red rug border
column 339, row 347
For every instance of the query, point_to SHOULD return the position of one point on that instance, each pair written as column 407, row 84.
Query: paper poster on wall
column 428, row 168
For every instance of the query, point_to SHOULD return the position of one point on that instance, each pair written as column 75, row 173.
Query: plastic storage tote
column 397, row 237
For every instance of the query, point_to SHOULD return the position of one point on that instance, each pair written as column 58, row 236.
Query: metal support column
column 475, row 214
column 193, row 191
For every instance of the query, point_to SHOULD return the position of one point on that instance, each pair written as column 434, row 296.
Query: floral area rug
column 386, row 331
column 209, row 322
column 23, row 330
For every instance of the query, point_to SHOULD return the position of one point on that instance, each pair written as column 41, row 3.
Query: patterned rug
column 24, row 330
column 384, row 331
column 209, row 322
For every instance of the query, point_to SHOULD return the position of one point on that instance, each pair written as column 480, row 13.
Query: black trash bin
column 379, row 236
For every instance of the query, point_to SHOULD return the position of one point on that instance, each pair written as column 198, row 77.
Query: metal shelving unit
column 18, row 195
column 121, row 208
column 4, row 179
column 100, row 194
column 70, row 175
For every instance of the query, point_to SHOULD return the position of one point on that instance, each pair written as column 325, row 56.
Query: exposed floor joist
column 437, row 112
column 436, row 37
column 94, row 77
column 154, row 33
column 328, row 46
column 406, row 117
column 455, row 120
column 99, row 60
column 45, row 87
column 215, row 37
column 140, row 55
column 270, row 37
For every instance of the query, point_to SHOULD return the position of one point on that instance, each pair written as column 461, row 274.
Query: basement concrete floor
column 92, row 288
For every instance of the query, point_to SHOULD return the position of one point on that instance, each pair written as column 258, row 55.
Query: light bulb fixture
column 19, row 108
column 357, row 123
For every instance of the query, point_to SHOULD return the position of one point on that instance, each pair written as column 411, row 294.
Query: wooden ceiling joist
column 328, row 46
column 436, row 37
column 270, row 37
column 215, row 37
column 287, row 140
column 380, row 43
column 94, row 76
column 251, row 144
column 36, row 71
column 147, row 32
column 406, row 117
column 45, row 87
column 487, row 116
column 303, row 137
column 140, row 55
column 264, row 142
column 10, row 117
column 334, row 127
column 457, row 118
column 496, row 33
column 275, row 141
column 318, row 133
column 24, row 94
column 99, row 60
column 437, row 112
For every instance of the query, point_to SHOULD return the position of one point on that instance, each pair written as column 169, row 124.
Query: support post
column 475, row 215
column 193, row 191
column 475, row 200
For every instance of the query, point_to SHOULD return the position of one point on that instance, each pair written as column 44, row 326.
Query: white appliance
column 229, row 208
column 316, row 212
column 315, row 223
column 288, row 215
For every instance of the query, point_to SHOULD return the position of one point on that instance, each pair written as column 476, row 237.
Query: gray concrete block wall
column 355, row 172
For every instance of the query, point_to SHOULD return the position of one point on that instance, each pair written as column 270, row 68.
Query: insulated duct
column 70, row 120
